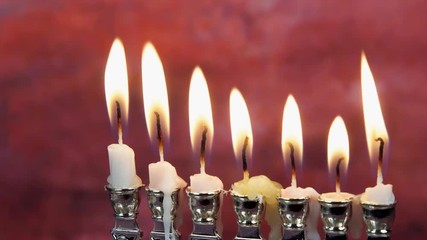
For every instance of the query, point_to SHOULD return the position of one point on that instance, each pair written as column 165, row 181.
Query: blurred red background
column 54, row 122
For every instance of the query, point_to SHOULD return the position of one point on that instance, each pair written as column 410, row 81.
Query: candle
column 292, row 148
column 338, row 159
column 121, row 156
column 376, row 137
column 162, row 174
column 252, row 187
column 201, row 131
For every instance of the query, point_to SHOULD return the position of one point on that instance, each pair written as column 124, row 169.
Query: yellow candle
column 258, row 185
column 262, row 185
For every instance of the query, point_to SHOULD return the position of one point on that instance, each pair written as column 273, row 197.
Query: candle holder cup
column 204, row 208
column 125, row 203
column 335, row 216
column 155, row 203
column 378, row 219
column 293, row 212
column 249, row 216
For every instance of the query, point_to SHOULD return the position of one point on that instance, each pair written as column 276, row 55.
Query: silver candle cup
column 125, row 203
column 378, row 219
column 155, row 203
column 204, row 209
column 249, row 216
column 335, row 216
column 293, row 212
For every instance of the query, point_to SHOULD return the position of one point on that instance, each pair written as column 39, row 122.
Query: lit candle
column 338, row 158
column 376, row 137
column 292, row 149
column 252, row 187
column 162, row 174
column 201, row 131
column 121, row 156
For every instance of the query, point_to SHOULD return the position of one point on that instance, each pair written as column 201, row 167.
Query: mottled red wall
column 54, row 127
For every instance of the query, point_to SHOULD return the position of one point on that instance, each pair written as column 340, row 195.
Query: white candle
column 122, row 167
column 376, row 136
column 292, row 146
column 121, row 156
column 162, row 174
column 201, row 131
column 380, row 194
column 202, row 182
column 336, row 196
column 338, row 158
column 163, row 177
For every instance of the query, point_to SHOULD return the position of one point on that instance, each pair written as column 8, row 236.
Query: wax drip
column 294, row 172
column 159, row 135
column 380, row 160
column 119, row 123
column 337, row 180
column 203, row 150
column 245, row 164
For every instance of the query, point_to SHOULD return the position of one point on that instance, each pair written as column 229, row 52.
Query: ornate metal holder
column 155, row 203
column 378, row 220
column 249, row 215
column 335, row 216
column 294, row 212
column 125, row 204
column 204, row 208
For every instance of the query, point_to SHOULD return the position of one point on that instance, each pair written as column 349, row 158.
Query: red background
column 54, row 127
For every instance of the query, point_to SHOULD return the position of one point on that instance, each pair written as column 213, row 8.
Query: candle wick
column 159, row 135
column 245, row 164
column 203, row 150
column 380, row 160
column 337, row 180
column 292, row 157
column 119, row 122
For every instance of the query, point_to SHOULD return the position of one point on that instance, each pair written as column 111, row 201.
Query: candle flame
column 292, row 135
column 154, row 92
column 240, row 124
column 338, row 147
column 200, row 113
column 374, row 122
column 116, row 81
column 116, row 84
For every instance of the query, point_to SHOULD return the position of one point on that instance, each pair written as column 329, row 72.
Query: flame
column 291, row 130
column 338, row 146
column 154, row 91
column 374, row 121
column 200, row 110
column 240, row 124
column 116, row 81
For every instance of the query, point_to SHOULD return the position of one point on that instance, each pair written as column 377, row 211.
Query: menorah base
column 336, row 236
column 161, row 236
column 248, row 233
column 293, row 234
column 158, row 232
column 126, row 229
column 204, row 231
column 379, row 238
column 204, row 237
